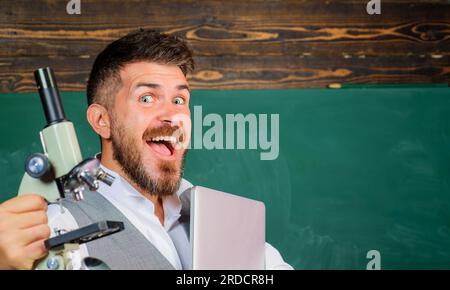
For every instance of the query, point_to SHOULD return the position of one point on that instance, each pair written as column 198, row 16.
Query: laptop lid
column 226, row 231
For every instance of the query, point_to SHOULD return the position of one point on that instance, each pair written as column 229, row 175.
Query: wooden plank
column 173, row 13
column 409, row 38
column 231, row 72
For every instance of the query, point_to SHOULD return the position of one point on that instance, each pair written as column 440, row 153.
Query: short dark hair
column 140, row 45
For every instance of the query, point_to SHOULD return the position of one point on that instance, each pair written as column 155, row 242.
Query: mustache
column 164, row 130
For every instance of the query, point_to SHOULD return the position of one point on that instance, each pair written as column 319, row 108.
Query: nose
column 166, row 112
column 166, row 121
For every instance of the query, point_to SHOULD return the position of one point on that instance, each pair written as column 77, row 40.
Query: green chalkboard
column 358, row 169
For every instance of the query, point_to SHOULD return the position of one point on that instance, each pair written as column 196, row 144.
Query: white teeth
column 170, row 139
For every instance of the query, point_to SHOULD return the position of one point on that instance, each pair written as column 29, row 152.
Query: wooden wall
column 238, row 44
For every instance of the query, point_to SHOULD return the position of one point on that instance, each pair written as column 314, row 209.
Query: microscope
column 59, row 171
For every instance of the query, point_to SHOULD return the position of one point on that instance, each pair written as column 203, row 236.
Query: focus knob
column 37, row 165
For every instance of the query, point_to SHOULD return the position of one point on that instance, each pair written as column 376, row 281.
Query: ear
column 98, row 117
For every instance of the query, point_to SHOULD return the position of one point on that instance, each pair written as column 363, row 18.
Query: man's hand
column 23, row 230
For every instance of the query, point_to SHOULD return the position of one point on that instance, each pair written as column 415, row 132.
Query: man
column 138, row 100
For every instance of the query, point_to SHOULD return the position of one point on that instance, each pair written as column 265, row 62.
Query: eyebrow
column 158, row 86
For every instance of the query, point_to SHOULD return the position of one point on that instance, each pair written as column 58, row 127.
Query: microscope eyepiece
column 50, row 99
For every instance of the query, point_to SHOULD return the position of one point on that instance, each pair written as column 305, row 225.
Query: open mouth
column 163, row 145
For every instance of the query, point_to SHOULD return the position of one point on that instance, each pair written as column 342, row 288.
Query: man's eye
column 146, row 99
column 179, row 101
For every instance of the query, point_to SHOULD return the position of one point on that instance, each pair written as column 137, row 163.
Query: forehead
column 150, row 71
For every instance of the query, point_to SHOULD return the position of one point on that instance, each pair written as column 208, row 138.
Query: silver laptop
column 227, row 231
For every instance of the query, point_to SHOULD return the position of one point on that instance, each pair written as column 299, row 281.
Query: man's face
column 149, row 119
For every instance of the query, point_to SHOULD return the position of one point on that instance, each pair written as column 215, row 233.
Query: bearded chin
column 126, row 152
